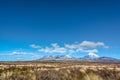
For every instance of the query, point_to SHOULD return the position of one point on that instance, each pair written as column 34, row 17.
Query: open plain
column 73, row 70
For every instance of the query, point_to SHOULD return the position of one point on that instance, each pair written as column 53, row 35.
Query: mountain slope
column 107, row 59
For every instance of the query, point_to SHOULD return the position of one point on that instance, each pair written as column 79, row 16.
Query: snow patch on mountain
column 93, row 55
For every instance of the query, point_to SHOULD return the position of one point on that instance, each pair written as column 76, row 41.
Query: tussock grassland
column 59, row 71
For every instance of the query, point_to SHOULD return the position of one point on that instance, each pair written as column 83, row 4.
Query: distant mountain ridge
column 85, row 58
column 57, row 58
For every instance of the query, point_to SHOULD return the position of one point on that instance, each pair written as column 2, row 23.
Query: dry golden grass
column 59, row 71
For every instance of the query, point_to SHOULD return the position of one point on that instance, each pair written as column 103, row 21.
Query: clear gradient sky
column 43, row 22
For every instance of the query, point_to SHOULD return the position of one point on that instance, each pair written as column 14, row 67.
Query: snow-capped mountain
column 57, row 58
column 92, row 55
column 89, row 57
column 92, row 58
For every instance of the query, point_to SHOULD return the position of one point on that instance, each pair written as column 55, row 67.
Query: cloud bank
column 89, row 47
column 18, row 56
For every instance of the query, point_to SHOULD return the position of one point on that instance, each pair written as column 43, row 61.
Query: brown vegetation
column 59, row 71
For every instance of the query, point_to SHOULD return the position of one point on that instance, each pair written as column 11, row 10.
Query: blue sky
column 45, row 22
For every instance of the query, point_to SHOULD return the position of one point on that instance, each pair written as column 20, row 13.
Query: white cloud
column 91, row 51
column 54, row 49
column 35, row 46
column 21, row 53
column 90, row 44
column 85, row 46
column 71, row 51
column 72, row 46
column 18, row 55
column 55, row 45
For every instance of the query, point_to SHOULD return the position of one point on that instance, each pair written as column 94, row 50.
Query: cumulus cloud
column 86, row 44
column 72, row 46
column 54, row 49
column 89, row 47
column 34, row 46
column 91, row 44
column 91, row 51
